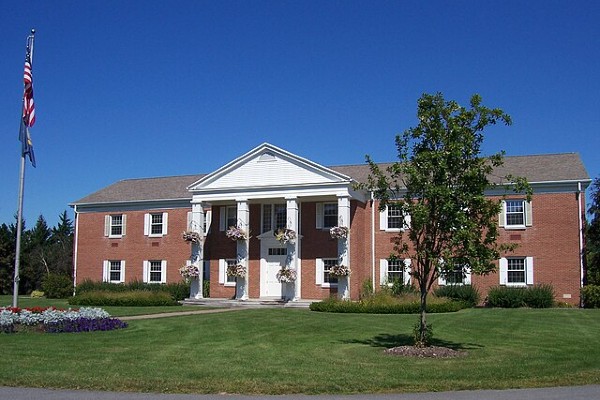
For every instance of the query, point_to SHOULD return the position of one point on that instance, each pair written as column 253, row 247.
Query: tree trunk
column 422, row 340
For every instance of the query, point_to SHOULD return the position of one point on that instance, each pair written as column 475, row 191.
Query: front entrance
column 269, row 266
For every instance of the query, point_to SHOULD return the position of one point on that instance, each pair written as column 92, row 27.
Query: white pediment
column 268, row 166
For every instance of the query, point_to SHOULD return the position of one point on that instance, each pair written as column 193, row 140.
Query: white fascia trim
column 137, row 205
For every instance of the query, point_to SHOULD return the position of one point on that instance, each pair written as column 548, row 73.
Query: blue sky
column 130, row 89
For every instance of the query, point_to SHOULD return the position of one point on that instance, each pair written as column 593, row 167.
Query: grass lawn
column 26, row 301
column 277, row 351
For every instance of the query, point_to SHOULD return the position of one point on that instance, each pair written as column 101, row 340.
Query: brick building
column 132, row 230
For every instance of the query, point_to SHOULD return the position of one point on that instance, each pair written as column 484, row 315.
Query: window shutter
column 207, row 221
column 124, row 224
column 442, row 276
column 319, row 213
column 222, row 218
column 145, row 271
column 189, row 220
column 467, row 278
column 165, row 223
column 105, row 275
column 383, row 224
column 529, row 270
column 407, row 221
column 163, row 271
column 222, row 271
column 503, row 271
column 147, row 218
column 406, row 273
column 206, row 270
column 502, row 215
column 122, row 268
column 106, row 225
column 528, row 214
column 319, row 271
column 383, row 271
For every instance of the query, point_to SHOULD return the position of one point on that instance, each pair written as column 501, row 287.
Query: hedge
column 132, row 298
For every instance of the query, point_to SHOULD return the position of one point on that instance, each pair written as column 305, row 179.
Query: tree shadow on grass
column 387, row 341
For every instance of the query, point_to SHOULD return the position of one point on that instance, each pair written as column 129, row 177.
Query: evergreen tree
column 593, row 237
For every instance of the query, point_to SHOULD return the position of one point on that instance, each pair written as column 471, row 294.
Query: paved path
column 560, row 393
column 178, row 313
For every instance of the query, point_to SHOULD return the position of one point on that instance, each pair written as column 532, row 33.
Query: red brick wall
column 93, row 247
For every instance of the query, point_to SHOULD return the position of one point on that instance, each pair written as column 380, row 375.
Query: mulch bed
column 425, row 352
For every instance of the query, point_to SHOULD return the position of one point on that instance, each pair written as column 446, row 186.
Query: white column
column 292, row 248
column 344, row 245
column 243, row 247
column 197, row 253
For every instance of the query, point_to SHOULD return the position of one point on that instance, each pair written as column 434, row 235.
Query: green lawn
column 278, row 351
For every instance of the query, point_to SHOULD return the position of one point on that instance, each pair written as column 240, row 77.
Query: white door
column 270, row 265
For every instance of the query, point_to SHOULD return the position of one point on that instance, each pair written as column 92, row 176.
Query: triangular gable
column 268, row 166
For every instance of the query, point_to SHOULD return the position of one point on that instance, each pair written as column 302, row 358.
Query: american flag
column 28, row 105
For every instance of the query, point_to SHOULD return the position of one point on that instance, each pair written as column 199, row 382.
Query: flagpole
column 16, row 279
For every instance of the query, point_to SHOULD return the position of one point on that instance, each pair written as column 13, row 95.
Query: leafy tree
column 440, row 182
column 35, row 256
column 593, row 237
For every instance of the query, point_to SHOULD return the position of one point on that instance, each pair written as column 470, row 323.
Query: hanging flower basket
column 191, row 236
column 286, row 236
column 239, row 271
column 234, row 233
column 339, row 270
column 189, row 271
column 339, row 232
column 286, row 275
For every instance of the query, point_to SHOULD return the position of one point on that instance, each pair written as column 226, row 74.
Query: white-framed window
column 155, row 224
column 114, row 225
column 225, row 279
column 392, row 219
column 516, row 271
column 459, row 275
column 155, row 271
column 113, row 271
column 327, row 215
column 323, row 277
column 274, row 217
column 394, row 269
column 516, row 214
column 228, row 217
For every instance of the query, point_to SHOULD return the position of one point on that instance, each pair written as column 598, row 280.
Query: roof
column 536, row 168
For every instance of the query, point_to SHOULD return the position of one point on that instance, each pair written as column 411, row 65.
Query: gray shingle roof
column 536, row 168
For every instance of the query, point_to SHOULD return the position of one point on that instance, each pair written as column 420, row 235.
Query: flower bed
column 52, row 320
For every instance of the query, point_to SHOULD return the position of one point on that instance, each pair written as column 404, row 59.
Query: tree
column 61, row 246
column 440, row 182
column 593, row 237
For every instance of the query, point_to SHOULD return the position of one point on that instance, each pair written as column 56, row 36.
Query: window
column 113, row 271
column 327, row 215
column 155, row 271
column 278, row 251
column 394, row 269
column 393, row 219
column 155, row 224
column 274, row 217
column 114, row 225
column 516, row 271
column 228, row 216
column 322, row 274
column 225, row 279
column 516, row 214
column 459, row 275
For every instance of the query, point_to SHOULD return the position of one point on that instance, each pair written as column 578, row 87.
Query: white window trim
column 527, row 215
column 466, row 278
column 106, row 271
column 223, row 273
column 383, row 272
column 383, row 222
column 503, row 272
column 148, row 225
column 224, row 217
column 320, row 215
column 320, row 273
column 108, row 226
column 147, row 271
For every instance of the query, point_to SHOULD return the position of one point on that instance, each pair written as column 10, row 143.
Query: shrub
column 426, row 341
column 366, row 289
column 205, row 288
column 382, row 303
column 538, row 296
column 178, row 291
column 590, row 296
column 468, row 294
column 57, row 286
column 37, row 293
column 133, row 298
